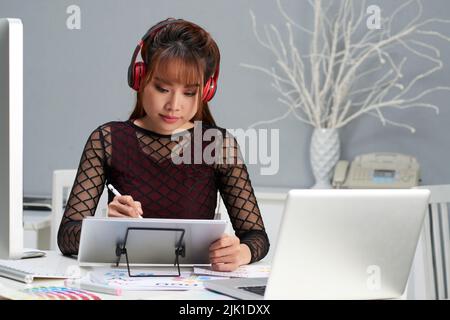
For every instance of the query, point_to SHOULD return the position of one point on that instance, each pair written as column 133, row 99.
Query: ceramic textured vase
column 324, row 154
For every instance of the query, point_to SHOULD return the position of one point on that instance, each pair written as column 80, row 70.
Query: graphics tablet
column 149, row 241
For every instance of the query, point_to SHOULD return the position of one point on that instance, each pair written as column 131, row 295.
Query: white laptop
column 340, row 244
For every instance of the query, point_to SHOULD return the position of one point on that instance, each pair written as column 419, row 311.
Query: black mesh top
column 144, row 164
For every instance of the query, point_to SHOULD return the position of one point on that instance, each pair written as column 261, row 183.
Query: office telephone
column 377, row 171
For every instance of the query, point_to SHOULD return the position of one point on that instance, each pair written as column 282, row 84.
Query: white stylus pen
column 116, row 193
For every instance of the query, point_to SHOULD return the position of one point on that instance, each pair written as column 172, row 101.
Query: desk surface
column 11, row 289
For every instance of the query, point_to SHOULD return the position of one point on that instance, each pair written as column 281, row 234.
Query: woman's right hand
column 124, row 207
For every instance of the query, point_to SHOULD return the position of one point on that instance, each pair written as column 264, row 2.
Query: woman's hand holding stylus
column 228, row 253
column 124, row 206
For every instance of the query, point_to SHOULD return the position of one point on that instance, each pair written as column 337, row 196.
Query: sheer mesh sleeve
column 85, row 194
column 238, row 195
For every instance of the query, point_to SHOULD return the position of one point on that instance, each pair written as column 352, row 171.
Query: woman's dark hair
column 191, row 51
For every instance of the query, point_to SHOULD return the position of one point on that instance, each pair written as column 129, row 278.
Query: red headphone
column 136, row 70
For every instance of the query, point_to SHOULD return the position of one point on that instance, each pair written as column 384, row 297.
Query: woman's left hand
column 228, row 253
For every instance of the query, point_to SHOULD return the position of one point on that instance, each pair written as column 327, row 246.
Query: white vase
column 324, row 154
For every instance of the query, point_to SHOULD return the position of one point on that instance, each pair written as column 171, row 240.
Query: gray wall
column 75, row 80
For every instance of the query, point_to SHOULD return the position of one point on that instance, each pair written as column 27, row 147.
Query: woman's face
column 169, row 105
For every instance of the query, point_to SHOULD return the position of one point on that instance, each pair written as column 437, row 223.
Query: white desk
column 39, row 221
column 13, row 289
column 36, row 219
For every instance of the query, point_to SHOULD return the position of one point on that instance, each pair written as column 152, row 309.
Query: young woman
column 174, row 82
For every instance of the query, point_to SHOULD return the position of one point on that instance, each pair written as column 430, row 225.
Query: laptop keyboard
column 255, row 289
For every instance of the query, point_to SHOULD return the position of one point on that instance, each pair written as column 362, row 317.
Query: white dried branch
column 263, row 122
column 385, row 121
column 340, row 58
column 290, row 20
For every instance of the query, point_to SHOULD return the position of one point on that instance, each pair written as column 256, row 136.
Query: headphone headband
column 156, row 28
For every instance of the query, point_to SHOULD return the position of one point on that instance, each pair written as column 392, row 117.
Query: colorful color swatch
column 61, row 293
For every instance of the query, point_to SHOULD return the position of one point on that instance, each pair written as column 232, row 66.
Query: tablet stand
column 179, row 251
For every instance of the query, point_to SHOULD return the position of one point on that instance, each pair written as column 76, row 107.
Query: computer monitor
column 11, row 138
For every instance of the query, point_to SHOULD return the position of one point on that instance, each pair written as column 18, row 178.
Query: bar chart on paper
column 119, row 278
column 246, row 271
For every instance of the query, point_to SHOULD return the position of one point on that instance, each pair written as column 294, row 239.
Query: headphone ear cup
column 209, row 90
column 137, row 75
column 131, row 75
